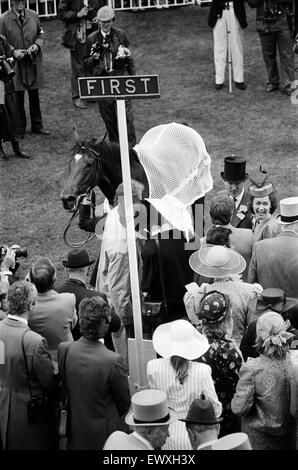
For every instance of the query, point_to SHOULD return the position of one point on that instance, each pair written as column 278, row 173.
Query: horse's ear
column 101, row 139
column 77, row 137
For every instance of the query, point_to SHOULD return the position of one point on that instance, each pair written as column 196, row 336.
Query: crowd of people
column 226, row 307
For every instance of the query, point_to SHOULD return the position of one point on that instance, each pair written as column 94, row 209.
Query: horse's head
column 85, row 172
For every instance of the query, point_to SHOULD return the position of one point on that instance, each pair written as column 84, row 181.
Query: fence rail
column 47, row 8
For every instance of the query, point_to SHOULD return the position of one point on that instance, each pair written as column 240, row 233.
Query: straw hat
column 216, row 261
column 288, row 211
column 235, row 441
column 150, row 408
column 179, row 338
column 105, row 13
column 272, row 299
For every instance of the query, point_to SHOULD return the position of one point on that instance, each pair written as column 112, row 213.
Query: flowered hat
column 214, row 306
column 261, row 188
column 272, row 334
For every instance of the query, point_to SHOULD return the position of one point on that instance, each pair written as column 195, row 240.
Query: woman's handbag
column 38, row 407
column 151, row 311
column 63, row 413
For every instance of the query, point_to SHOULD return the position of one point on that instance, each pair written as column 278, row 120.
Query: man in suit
column 77, row 265
column 94, row 379
column 24, row 33
column 241, row 239
column 274, row 261
column 228, row 16
column 22, row 344
column 54, row 315
column 234, row 177
column 149, row 419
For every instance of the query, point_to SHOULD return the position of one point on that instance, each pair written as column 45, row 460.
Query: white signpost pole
column 131, row 242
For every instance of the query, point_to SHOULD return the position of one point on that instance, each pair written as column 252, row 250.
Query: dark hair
column 221, row 210
column 20, row 296
column 219, row 236
column 272, row 199
column 94, row 318
column 42, row 274
column 180, row 365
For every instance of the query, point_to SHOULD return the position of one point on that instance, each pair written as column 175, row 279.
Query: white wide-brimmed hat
column 216, row 261
column 179, row 338
column 288, row 211
column 150, row 408
column 235, row 441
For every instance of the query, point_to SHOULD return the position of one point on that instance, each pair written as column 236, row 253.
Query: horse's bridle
column 79, row 198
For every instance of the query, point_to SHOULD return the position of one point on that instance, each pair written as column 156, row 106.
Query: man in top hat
column 201, row 424
column 270, row 300
column 274, row 261
column 234, row 177
column 106, row 53
column 78, row 16
column 149, row 419
column 77, row 265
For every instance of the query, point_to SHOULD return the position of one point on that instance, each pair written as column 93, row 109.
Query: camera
column 5, row 66
column 19, row 252
column 30, row 55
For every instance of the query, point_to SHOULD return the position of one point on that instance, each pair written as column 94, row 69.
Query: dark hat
column 234, row 169
column 77, row 258
column 201, row 412
column 272, row 299
column 214, row 306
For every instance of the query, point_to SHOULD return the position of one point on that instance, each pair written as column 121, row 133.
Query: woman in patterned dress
column 223, row 356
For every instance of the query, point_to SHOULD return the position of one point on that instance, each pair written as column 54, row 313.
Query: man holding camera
column 273, row 23
column 10, row 127
column 23, row 31
column 107, row 54
column 78, row 16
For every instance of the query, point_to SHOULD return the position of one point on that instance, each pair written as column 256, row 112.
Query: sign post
column 121, row 88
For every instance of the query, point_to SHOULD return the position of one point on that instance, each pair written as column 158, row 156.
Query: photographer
column 10, row 128
column 8, row 264
column 78, row 16
column 106, row 53
column 23, row 31
column 273, row 23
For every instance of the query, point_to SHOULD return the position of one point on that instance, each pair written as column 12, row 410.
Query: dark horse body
column 98, row 164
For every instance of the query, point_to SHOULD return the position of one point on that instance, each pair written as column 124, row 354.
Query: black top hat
column 77, row 258
column 201, row 412
column 234, row 169
column 272, row 299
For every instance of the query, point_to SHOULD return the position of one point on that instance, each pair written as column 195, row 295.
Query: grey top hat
column 150, row 408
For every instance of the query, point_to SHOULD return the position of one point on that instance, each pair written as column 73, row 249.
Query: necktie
column 21, row 18
column 235, row 202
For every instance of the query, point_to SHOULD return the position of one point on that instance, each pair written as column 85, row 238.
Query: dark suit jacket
column 98, row 389
column 79, row 289
column 274, row 263
column 16, row 433
column 216, row 12
column 242, row 219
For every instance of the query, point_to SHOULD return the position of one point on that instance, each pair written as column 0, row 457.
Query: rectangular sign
column 125, row 86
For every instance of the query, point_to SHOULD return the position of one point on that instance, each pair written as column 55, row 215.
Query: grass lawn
column 177, row 45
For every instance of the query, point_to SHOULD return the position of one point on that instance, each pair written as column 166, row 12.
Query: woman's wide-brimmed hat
column 216, row 261
column 150, row 408
column 77, row 258
column 179, row 338
column 214, row 307
column 201, row 412
column 272, row 299
column 288, row 211
column 235, row 441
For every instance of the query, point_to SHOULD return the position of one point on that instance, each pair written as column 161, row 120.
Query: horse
column 98, row 163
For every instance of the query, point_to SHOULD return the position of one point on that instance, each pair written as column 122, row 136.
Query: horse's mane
column 110, row 149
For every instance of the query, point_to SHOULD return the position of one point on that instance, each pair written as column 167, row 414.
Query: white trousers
column 220, row 35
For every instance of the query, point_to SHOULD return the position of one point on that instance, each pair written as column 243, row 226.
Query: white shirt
column 238, row 199
column 15, row 317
